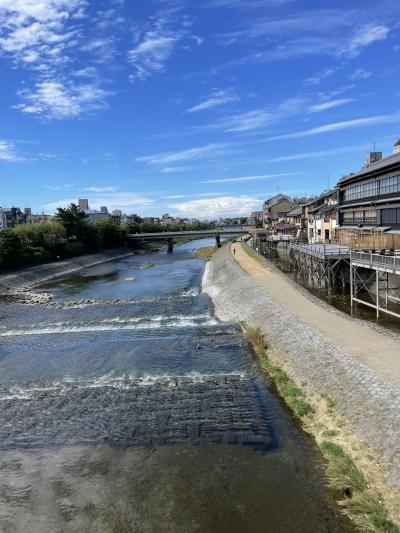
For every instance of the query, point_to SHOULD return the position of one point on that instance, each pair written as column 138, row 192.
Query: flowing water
column 126, row 405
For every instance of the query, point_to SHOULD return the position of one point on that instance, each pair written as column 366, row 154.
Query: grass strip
column 207, row 252
column 356, row 500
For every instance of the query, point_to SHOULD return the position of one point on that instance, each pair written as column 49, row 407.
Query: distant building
column 255, row 218
column 276, row 204
column 83, row 204
column 103, row 209
column 10, row 217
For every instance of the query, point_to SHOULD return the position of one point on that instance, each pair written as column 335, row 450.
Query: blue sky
column 193, row 108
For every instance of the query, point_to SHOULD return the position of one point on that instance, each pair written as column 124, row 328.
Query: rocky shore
column 364, row 403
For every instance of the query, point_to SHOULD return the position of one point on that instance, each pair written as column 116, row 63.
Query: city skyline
column 196, row 111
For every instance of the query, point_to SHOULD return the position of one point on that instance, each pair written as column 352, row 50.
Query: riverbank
column 16, row 286
column 356, row 402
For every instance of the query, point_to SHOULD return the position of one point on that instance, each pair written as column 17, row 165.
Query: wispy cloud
column 216, row 98
column 95, row 188
column 317, row 78
column 363, row 37
column 360, row 74
column 223, row 206
column 8, row 152
column 249, row 178
column 330, row 104
column 347, row 124
column 155, row 45
column 55, row 99
column 199, row 152
column 173, row 170
column 259, row 118
column 318, row 154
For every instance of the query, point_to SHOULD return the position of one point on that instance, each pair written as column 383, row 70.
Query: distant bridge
column 169, row 236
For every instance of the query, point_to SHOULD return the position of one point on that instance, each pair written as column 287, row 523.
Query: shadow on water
column 141, row 411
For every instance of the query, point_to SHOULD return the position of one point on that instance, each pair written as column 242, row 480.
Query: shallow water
column 141, row 411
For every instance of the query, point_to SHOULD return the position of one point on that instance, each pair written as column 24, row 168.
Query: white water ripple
column 116, row 323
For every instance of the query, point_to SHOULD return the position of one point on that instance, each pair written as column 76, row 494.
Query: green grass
column 368, row 514
column 286, row 388
column 207, row 252
column 363, row 507
column 152, row 245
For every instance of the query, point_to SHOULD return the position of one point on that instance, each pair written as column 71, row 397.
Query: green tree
column 11, row 248
column 71, row 218
column 109, row 234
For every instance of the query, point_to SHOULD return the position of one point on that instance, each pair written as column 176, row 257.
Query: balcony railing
column 387, row 262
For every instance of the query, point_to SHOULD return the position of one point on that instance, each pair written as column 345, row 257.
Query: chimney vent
column 373, row 157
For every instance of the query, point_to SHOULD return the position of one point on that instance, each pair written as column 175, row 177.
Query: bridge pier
column 170, row 245
column 218, row 240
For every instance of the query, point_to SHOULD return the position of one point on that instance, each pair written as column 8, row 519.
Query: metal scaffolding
column 378, row 278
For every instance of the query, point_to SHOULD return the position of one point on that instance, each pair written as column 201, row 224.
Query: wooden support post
column 351, row 286
column 170, row 245
column 218, row 240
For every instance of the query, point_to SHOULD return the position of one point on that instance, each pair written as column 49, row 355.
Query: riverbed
column 127, row 405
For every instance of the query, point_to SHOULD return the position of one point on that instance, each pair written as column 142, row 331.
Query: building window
column 390, row 216
column 373, row 188
column 390, row 185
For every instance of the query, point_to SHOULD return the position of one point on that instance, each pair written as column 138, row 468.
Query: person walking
column 234, row 251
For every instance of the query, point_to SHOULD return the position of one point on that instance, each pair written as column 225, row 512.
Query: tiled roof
column 379, row 165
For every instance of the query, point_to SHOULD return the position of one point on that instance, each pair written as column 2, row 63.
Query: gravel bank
column 369, row 405
column 15, row 287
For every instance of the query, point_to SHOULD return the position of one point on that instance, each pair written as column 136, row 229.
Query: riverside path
column 373, row 349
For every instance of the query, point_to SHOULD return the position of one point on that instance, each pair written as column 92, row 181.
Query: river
column 140, row 411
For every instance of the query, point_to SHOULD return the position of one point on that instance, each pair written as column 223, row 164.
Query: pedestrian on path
column 234, row 251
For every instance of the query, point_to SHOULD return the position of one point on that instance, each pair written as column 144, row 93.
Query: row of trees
column 70, row 234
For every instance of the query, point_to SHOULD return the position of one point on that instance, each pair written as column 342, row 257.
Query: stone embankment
column 16, row 287
column 365, row 403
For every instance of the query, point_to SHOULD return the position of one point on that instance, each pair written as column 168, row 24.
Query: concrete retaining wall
column 370, row 406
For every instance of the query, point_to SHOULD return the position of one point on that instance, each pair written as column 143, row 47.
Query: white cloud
column 347, row 124
column 318, row 154
column 330, row 104
column 55, row 99
column 259, row 118
column 173, row 170
column 46, row 38
column 216, row 98
column 37, row 32
column 317, row 78
column 199, row 152
column 155, row 46
column 94, row 188
column 248, row 178
column 361, row 74
column 222, row 206
column 8, row 152
column 363, row 37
